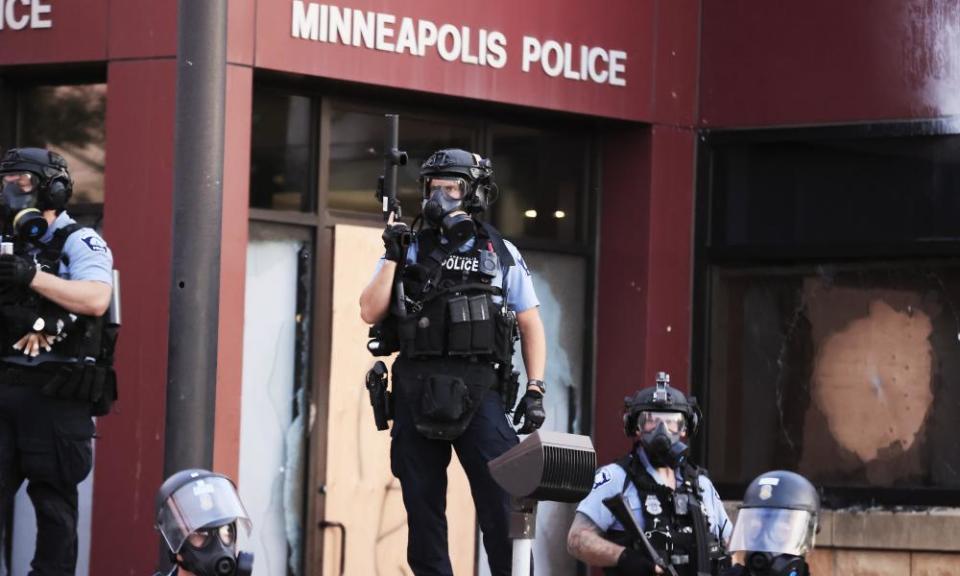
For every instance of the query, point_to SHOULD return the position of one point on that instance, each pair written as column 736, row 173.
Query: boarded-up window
column 831, row 312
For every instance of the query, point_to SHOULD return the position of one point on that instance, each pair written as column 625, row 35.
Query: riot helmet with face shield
column 198, row 514
column 455, row 185
column 34, row 180
column 665, row 420
column 777, row 524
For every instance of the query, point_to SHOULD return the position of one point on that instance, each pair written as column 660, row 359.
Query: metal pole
column 197, row 203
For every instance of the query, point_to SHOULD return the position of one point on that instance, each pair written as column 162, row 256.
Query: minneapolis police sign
column 418, row 37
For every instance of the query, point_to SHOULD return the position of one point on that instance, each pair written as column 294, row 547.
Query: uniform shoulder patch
column 600, row 479
column 95, row 243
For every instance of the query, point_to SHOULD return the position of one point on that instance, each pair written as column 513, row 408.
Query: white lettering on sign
column 591, row 63
column 20, row 14
column 452, row 43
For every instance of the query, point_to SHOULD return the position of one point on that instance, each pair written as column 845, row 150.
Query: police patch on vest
column 464, row 263
column 600, row 479
column 95, row 244
column 652, row 505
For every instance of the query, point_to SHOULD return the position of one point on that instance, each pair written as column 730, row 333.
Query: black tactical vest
column 450, row 301
column 455, row 342
column 18, row 311
column 675, row 522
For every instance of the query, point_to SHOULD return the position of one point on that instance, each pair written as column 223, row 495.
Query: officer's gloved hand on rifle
column 636, row 563
column 530, row 409
column 16, row 271
column 394, row 236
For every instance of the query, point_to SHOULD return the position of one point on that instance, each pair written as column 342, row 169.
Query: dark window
column 838, row 194
column 543, row 185
column 831, row 313
column 356, row 156
column 70, row 120
column 280, row 167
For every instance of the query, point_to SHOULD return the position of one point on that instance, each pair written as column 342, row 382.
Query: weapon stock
column 618, row 507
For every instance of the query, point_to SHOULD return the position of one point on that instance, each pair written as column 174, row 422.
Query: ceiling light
column 559, row 214
column 530, row 213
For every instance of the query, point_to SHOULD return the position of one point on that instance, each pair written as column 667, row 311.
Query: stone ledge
column 930, row 529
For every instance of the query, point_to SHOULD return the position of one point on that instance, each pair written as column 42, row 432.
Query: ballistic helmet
column 779, row 515
column 54, row 185
column 660, row 398
column 193, row 500
column 473, row 173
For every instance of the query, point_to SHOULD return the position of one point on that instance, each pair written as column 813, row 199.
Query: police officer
column 776, row 526
column 465, row 290
column 671, row 500
column 54, row 286
column 198, row 513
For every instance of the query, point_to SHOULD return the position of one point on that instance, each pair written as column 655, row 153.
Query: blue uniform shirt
column 520, row 293
column 609, row 482
column 89, row 259
column 88, row 255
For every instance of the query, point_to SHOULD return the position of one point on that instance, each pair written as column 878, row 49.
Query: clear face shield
column 774, row 530
column 200, row 510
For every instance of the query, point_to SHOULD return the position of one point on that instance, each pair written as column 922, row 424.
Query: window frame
column 707, row 257
column 14, row 81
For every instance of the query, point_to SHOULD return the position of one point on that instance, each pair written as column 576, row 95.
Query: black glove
column 16, row 271
column 393, row 240
column 635, row 563
column 531, row 410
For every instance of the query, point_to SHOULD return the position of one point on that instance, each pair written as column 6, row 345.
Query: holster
column 381, row 400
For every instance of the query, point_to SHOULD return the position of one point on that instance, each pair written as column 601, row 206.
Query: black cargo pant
column 421, row 463
column 47, row 442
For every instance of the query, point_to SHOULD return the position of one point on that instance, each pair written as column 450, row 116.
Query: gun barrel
column 393, row 157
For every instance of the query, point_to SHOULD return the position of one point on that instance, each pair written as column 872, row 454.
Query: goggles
column 451, row 188
column 26, row 181
column 674, row 422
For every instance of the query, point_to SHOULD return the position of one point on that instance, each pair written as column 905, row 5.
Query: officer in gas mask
column 55, row 285
column 464, row 292
column 198, row 514
column 776, row 526
column 670, row 499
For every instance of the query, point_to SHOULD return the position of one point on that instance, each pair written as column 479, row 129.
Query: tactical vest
column 675, row 522
column 19, row 311
column 450, row 300
column 455, row 341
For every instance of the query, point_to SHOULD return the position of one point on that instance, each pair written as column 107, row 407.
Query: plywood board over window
column 361, row 491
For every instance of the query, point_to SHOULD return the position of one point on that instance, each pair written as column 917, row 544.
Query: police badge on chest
column 652, row 505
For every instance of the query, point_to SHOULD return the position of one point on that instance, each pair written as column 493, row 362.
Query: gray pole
column 197, row 203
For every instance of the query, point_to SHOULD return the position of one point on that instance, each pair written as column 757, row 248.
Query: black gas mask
column 769, row 564
column 18, row 206
column 198, row 513
column 443, row 207
column 661, row 436
column 212, row 552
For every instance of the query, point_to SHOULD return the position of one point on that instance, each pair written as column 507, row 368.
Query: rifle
column 618, row 507
column 387, row 194
column 392, row 158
